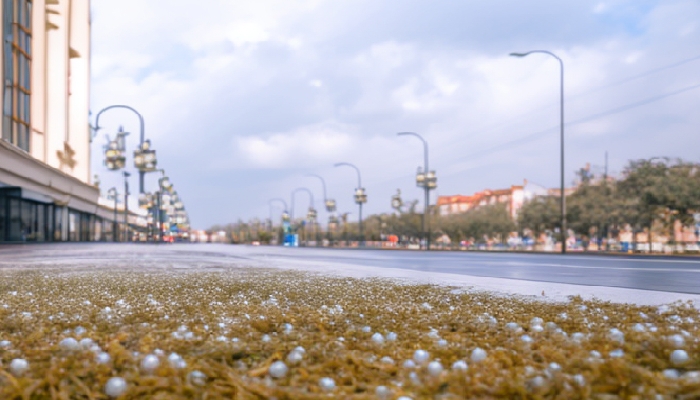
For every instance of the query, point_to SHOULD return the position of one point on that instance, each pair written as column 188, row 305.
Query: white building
column 45, row 189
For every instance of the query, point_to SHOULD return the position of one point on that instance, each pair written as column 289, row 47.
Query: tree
column 540, row 214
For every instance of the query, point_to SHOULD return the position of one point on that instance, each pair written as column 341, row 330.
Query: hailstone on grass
column 460, row 365
column 679, row 357
column 327, row 384
column 478, row 355
column 420, row 356
column 277, row 369
column 19, row 366
column 115, row 387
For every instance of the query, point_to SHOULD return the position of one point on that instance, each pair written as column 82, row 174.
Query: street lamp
column 428, row 181
column 113, row 194
column 329, row 203
column 561, row 108
column 284, row 212
column 144, row 157
column 360, row 196
column 311, row 214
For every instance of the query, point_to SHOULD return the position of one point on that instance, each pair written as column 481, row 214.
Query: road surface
column 664, row 274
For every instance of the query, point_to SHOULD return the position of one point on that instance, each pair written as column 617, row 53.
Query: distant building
column 45, row 189
column 513, row 197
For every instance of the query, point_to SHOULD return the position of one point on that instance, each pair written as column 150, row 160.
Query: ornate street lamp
column 426, row 179
column 145, row 158
column 360, row 196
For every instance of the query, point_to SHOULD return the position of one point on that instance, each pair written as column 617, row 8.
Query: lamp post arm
column 97, row 120
column 359, row 177
column 323, row 183
column 281, row 201
column 425, row 147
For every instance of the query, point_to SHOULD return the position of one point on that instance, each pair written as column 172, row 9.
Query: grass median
column 264, row 333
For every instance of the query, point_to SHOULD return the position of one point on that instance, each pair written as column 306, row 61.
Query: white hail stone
column 173, row 357
column 460, row 365
column 677, row 340
column 265, row 338
column 19, row 366
column 115, row 387
column 277, row 369
column 103, row 358
column 671, row 373
column 478, row 355
column 408, row 364
column 679, row 357
column 404, row 398
column 366, row 329
column 69, row 344
column 551, row 326
column 579, row 380
column 378, row 338
column 616, row 335
column 421, row 356
column 595, row 354
column 222, row 339
column 86, row 343
column 692, row 376
column 150, row 363
column 387, row 360
column 536, row 321
column 526, row 338
column 5, row 344
column 536, row 328
column 513, row 327
column 617, row 353
column 197, row 378
column 435, row 368
column 537, row 382
column 294, row 357
column 639, row 328
column 391, row 336
column 382, row 392
column 327, row 384
column 301, row 349
column 578, row 336
column 442, row 343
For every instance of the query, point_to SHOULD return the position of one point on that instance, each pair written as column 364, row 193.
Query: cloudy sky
column 242, row 99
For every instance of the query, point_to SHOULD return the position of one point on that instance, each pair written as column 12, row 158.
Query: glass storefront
column 25, row 220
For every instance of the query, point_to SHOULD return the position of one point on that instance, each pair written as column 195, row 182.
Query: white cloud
column 309, row 146
column 274, row 88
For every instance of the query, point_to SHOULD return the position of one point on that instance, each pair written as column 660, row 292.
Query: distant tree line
column 649, row 194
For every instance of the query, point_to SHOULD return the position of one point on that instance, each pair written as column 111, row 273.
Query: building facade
column 513, row 198
column 45, row 189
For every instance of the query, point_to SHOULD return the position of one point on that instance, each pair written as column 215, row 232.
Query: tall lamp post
column 311, row 214
column 329, row 203
column 164, row 185
column 284, row 212
column 428, row 181
column 561, row 108
column 112, row 194
column 360, row 197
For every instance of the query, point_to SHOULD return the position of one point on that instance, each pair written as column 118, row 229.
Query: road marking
column 526, row 264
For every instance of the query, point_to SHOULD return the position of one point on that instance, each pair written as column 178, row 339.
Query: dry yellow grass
column 233, row 324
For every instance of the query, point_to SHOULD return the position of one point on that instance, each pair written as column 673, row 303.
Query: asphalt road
column 667, row 274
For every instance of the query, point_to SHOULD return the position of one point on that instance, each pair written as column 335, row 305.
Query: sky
column 243, row 99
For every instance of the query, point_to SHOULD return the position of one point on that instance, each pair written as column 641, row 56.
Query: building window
column 17, row 17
